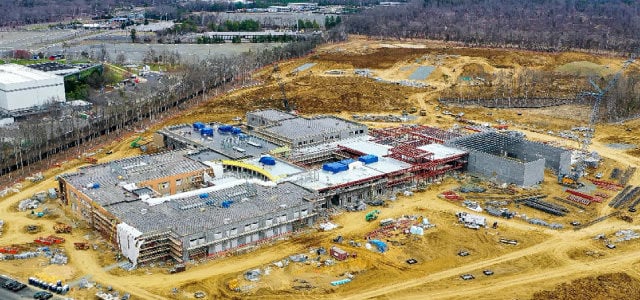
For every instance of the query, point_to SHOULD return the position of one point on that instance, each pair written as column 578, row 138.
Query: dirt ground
column 539, row 267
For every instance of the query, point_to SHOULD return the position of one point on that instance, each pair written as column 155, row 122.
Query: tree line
column 545, row 25
column 539, row 88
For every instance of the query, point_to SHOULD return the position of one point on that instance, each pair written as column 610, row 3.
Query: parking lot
column 26, row 293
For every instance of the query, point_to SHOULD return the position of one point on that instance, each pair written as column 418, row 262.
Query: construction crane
column 285, row 101
column 572, row 179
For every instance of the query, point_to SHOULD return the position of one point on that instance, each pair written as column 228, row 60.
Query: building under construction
column 510, row 158
column 168, row 206
column 223, row 187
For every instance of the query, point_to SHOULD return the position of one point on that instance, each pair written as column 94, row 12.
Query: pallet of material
column 628, row 173
column 585, row 196
column 572, row 203
column 547, row 207
column 603, row 184
column 619, row 196
column 628, row 197
column 580, row 200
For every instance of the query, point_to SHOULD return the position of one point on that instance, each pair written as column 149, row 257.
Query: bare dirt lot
column 540, row 266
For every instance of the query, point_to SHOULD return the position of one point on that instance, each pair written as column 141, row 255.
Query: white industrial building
column 23, row 88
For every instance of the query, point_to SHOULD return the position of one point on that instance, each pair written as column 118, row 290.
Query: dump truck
column 423, row 112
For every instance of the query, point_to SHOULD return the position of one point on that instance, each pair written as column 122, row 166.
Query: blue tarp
column 267, row 160
column 198, row 125
column 341, row 281
column 95, row 185
column 382, row 247
column 206, row 131
column 227, row 203
column 335, row 167
column 225, row 128
column 368, row 159
column 236, row 130
column 203, row 196
column 242, row 136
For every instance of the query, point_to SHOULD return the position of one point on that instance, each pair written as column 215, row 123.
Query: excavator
column 372, row 215
column 141, row 143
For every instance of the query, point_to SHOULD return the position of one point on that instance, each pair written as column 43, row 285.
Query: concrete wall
column 506, row 170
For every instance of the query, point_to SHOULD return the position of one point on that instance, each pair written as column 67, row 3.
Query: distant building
column 24, row 89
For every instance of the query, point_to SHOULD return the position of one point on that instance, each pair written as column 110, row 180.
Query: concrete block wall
column 504, row 169
column 556, row 159
column 533, row 172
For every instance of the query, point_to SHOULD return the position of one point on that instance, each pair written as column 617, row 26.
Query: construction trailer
column 338, row 253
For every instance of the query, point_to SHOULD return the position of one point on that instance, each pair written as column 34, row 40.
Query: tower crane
column 285, row 101
column 598, row 94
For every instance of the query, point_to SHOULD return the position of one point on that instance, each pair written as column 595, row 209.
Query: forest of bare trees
column 545, row 25
column 539, row 88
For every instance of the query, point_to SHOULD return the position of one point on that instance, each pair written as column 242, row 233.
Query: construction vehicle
column 62, row 228
column 137, row 142
column 423, row 112
column 177, row 269
column 140, row 143
column 372, row 215
column 580, row 166
column 81, row 246
column 413, row 110
column 288, row 107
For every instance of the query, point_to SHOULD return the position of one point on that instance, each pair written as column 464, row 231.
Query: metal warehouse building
column 23, row 88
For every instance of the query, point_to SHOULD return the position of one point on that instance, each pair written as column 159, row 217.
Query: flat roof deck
column 109, row 176
column 281, row 169
column 366, row 146
column 320, row 179
column 13, row 73
column 193, row 214
column 273, row 115
column 302, row 127
column 226, row 144
column 441, row 151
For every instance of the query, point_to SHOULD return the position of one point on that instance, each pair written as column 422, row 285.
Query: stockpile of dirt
column 319, row 94
column 608, row 286
column 380, row 59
